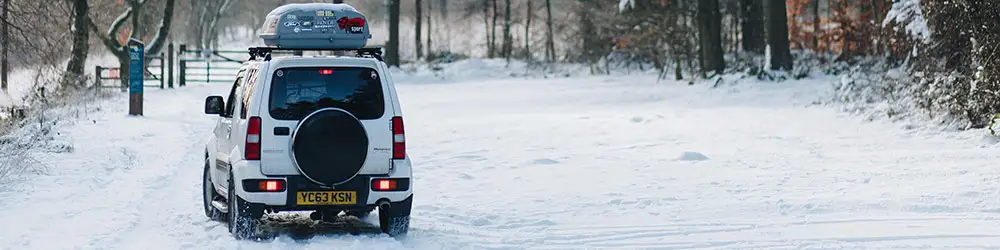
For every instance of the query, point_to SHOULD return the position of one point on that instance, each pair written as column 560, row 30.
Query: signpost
column 136, row 76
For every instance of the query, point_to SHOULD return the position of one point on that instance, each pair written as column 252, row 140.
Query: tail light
column 263, row 185
column 271, row 185
column 252, row 148
column 389, row 185
column 398, row 139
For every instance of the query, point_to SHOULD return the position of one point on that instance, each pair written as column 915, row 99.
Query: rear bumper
column 366, row 198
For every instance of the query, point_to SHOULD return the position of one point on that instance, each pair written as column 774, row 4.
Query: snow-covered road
column 554, row 163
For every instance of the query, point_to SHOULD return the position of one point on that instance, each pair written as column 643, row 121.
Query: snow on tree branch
column 908, row 13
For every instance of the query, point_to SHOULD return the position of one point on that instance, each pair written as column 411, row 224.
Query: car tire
column 242, row 222
column 209, row 194
column 396, row 220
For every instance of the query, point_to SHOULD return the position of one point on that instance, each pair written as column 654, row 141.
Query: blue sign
column 136, row 67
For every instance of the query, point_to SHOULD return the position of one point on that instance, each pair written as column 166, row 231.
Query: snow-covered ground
column 562, row 162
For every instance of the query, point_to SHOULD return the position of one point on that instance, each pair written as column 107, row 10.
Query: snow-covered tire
column 209, row 194
column 396, row 221
column 242, row 222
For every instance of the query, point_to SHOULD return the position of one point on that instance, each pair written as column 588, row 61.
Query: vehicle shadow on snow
column 299, row 226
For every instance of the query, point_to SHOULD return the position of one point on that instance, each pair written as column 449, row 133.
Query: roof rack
column 265, row 52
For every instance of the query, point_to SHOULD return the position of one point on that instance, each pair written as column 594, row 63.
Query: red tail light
column 271, row 185
column 384, row 185
column 325, row 71
column 398, row 139
column 252, row 148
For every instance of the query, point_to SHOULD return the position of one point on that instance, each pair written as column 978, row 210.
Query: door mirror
column 214, row 105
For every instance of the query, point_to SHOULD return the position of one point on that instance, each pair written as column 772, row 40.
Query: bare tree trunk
column 753, row 25
column 527, row 32
column 493, row 29
column 486, row 19
column 162, row 32
column 81, row 35
column 777, row 35
column 5, row 64
column 709, row 30
column 816, row 25
column 419, row 21
column 213, row 37
column 430, row 15
column 507, row 39
column 392, row 48
column 550, row 46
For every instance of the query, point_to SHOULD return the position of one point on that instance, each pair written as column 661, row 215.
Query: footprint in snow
column 692, row 156
column 546, row 162
column 465, row 176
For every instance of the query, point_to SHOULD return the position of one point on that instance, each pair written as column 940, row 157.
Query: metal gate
column 209, row 66
column 155, row 74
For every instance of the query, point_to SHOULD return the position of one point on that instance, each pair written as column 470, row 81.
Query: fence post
column 163, row 74
column 170, row 65
column 183, row 67
column 97, row 76
column 208, row 70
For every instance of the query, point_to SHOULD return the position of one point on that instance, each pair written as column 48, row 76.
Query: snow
column 550, row 162
column 909, row 14
column 625, row 4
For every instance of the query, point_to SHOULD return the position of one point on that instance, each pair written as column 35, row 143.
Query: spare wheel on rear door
column 330, row 146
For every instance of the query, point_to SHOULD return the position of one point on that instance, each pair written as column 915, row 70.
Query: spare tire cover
column 330, row 146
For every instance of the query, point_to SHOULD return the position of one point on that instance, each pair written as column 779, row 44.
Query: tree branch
column 163, row 31
column 108, row 42
column 115, row 25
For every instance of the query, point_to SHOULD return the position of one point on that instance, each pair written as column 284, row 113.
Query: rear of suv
column 309, row 133
column 321, row 134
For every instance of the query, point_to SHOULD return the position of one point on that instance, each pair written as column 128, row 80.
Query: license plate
column 327, row 198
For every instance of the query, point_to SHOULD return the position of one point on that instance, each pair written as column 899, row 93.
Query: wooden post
column 97, row 76
column 163, row 71
column 181, row 69
column 137, row 70
column 170, row 65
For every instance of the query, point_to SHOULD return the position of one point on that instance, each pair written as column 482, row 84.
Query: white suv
column 304, row 133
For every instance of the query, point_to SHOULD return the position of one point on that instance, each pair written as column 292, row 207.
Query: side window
column 231, row 101
column 248, row 89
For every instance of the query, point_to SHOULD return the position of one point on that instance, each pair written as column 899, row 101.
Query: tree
column 392, row 46
column 119, row 50
column 817, row 29
column 493, row 29
column 527, row 33
column 418, row 6
column 507, row 39
column 81, row 36
column 777, row 35
column 430, row 15
column 709, row 32
column 5, row 66
column 550, row 47
column 486, row 19
column 753, row 25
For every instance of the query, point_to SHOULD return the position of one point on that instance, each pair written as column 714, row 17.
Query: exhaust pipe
column 383, row 205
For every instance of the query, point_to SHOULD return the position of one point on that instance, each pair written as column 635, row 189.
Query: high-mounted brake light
column 325, row 71
column 252, row 148
column 398, row 139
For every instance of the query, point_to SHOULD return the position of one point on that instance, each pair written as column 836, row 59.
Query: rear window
column 297, row 92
